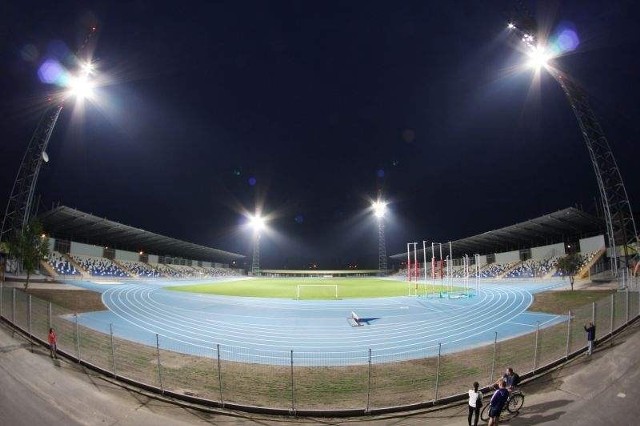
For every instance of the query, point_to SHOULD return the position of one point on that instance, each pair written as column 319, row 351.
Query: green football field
column 311, row 288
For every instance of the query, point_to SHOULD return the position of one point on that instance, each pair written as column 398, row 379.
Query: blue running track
column 265, row 330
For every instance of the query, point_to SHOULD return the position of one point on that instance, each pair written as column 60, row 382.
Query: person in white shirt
column 475, row 403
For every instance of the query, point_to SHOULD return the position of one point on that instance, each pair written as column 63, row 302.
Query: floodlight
column 257, row 223
column 538, row 57
column 511, row 26
column 80, row 87
column 87, row 67
column 379, row 209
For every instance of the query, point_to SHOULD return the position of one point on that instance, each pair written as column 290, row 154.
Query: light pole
column 257, row 224
column 20, row 204
column 620, row 225
column 379, row 210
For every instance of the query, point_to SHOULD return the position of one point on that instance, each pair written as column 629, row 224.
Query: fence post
column 535, row 350
column 113, row 351
column 626, row 296
column 13, row 306
column 219, row 374
column 495, row 351
column 568, row 336
column 1, row 298
column 593, row 312
column 159, row 363
column 77, row 338
column 613, row 307
column 29, row 315
column 49, row 323
column 369, row 384
column 293, row 389
column 438, row 371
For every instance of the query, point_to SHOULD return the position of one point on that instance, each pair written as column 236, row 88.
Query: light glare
column 538, row 57
column 257, row 223
column 379, row 209
column 80, row 87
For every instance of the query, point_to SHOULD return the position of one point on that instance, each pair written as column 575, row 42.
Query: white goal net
column 316, row 291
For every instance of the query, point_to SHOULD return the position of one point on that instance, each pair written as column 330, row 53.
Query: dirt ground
column 74, row 300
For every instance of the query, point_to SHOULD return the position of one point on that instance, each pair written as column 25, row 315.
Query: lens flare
column 51, row 72
column 80, row 87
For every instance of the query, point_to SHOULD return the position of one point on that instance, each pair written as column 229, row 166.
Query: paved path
column 37, row 390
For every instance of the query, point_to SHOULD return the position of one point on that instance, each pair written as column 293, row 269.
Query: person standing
column 53, row 344
column 591, row 336
column 496, row 405
column 475, row 403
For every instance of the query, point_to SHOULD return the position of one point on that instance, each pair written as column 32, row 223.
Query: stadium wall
column 591, row 244
column 544, row 252
column 51, row 244
column 86, row 249
column 482, row 260
column 508, row 256
column 127, row 255
column 153, row 258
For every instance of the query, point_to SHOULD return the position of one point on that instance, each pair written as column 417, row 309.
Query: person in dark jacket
column 591, row 336
column 498, row 400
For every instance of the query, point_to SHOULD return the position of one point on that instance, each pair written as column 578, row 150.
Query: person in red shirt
column 53, row 343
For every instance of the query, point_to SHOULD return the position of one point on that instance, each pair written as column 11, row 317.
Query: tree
column 29, row 247
column 569, row 265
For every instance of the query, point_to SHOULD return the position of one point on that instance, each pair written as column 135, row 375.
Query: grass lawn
column 286, row 288
column 560, row 302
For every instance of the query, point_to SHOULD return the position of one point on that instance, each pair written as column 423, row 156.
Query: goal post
column 317, row 291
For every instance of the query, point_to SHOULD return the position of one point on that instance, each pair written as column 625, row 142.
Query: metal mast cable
column 20, row 203
column 619, row 222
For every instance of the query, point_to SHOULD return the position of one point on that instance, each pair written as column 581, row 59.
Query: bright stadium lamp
column 538, row 57
column 81, row 87
column 257, row 223
column 379, row 208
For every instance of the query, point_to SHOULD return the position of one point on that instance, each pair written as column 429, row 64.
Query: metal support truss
column 19, row 206
column 255, row 261
column 382, row 247
column 620, row 226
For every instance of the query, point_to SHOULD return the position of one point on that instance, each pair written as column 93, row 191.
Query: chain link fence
column 291, row 381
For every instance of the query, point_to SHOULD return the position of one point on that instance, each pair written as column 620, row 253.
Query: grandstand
column 84, row 245
column 61, row 265
column 529, row 249
column 113, row 250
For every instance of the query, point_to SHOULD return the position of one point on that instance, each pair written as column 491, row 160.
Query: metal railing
column 304, row 383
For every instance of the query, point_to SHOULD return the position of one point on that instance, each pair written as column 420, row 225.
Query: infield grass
column 286, row 288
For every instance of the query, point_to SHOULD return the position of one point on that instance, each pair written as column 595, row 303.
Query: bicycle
column 513, row 405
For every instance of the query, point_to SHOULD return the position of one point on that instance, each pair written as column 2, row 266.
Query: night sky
column 309, row 108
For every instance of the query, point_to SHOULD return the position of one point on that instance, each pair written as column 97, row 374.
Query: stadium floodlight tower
column 79, row 86
column 257, row 224
column 380, row 210
column 620, row 226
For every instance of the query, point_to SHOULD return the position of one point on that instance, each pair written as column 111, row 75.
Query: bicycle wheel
column 515, row 403
column 484, row 414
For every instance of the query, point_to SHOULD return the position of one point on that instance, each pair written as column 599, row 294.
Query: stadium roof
column 563, row 225
column 72, row 224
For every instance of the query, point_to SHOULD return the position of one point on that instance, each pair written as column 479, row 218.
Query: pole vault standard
column 412, row 268
column 415, row 260
column 424, row 255
column 408, row 262
column 477, row 257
